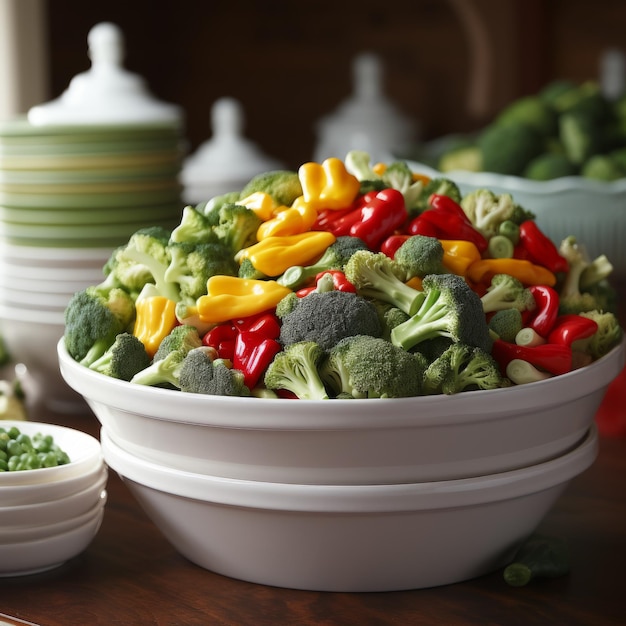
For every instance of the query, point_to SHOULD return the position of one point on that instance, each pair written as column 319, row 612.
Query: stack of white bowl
column 78, row 176
column 50, row 515
column 349, row 495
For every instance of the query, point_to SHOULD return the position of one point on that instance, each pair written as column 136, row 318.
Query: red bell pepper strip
column 535, row 246
column 551, row 357
column 571, row 327
column 222, row 338
column 390, row 245
column 544, row 316
column 339, row 221
column 340, row 283
column 445, row 219
column 379, row 217
column 253, row 354
column 250, row 343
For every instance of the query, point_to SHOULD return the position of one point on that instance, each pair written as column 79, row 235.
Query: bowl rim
column 353, row 498
column 189, row 408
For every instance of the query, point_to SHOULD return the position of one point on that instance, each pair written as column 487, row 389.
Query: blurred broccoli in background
column 565, row 129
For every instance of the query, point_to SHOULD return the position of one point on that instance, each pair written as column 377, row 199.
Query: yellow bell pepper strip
column 155, row 319
column 458, row 255
column 262, row 204
column 230, row 297
column 329, row 185
column 273, row 255
column 298, row 218
column 526, row 272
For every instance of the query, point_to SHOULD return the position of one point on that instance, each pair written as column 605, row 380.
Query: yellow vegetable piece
column 289, row 220
column 526, row 272
column 155, row 319
column 458, row 255
column 230, row 297
column 273, row 255
column 379, row 168
column 329, row 185
column 262, row 204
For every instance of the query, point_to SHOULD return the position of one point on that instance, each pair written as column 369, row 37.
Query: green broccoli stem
column 431, row 319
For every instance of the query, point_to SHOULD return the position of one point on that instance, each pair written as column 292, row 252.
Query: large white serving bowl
column 41, row 514
column 593, row 211
column 83, row 450
column 348, row 538
column 42, row 554
column 402, row 440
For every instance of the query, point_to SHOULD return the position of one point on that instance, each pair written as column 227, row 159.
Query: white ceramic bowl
column 21, row 495
column 20, row 534
column 83, row 450
column 39, row 555
column 41, row 514
column 593, row 211
column 348, row 538
column 353, row 442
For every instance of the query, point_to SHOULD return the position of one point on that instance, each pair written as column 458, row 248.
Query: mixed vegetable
column 343, row 280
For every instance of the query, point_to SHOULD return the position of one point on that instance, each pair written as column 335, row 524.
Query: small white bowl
column 20, row 495
column 84, row 451
column 39, row 555
column 20, row 534
column 349, row 442
column 52, row 511
column 349, row 538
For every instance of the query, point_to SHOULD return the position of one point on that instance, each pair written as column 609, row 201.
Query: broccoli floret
column 327, row 317
column 467, row 158
column 507, row 292
column 376, row 276
column 487, row 210
column 334, row 258
column 194, row 227
column 125, row 358
column 143, row 260
column 572, row 298
column 602, row 167
column 531, row 111
column 450, row 308
column 167, row 362
column 370, row 367
column 506, row 323
column 203, row 372
column 389, row 316
column 287, row 305
column 237, row 227
column 608, row 335
column 549, row 166
column 213, row 205
column 582, row 136
column 508, row 148
column 463, row 368
column 93, row 319
column 296, row 369
column 282, row 185
column 192, row 264
column 247, row 270
column 420, row 255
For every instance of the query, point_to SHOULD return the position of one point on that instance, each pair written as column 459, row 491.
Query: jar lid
column 106, row 93
column 228, row 156
column 367, row 120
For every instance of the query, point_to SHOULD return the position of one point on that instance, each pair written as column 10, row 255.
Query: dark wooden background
column 449, row 64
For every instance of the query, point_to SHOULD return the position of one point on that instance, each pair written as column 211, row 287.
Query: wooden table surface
column 131, row 576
